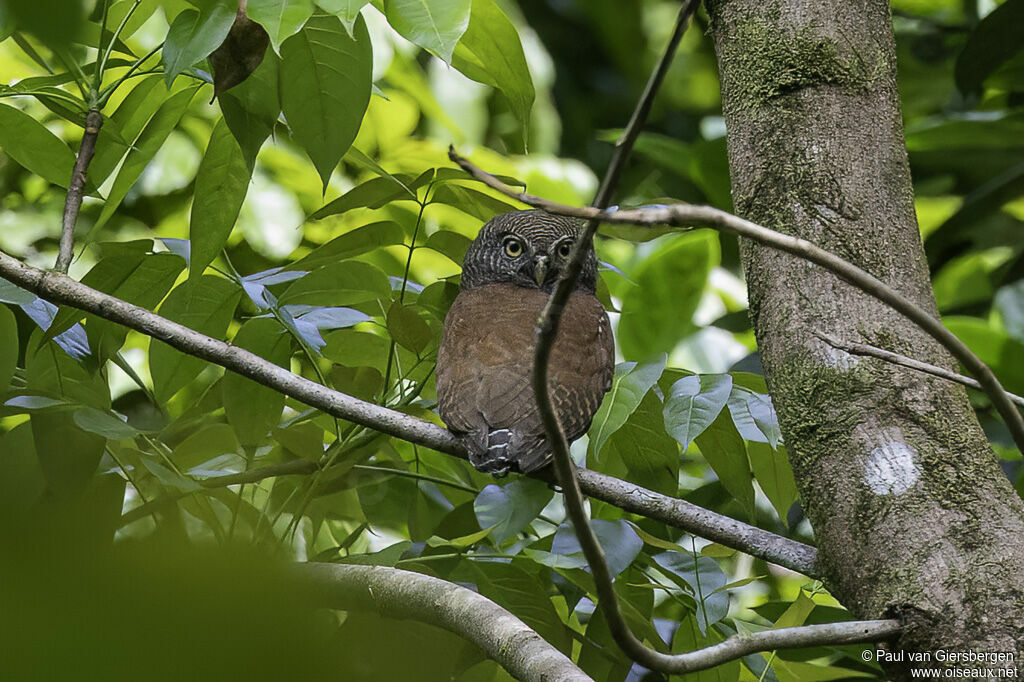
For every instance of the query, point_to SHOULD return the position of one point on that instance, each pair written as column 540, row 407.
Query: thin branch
column 63, row 290
column 397, row 593
column 73, row 201
column 910, row 363
column 689, row 215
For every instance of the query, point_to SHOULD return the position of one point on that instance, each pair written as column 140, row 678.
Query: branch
column 688, row 215
column 395, row 593
column 62, row 290
column 910, row 363
column 73, row 201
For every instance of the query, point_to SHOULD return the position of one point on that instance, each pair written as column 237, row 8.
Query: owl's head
column 526, row 248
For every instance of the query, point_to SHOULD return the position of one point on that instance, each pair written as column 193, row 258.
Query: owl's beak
column 540, row 270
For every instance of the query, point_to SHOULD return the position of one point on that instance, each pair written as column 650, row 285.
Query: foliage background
column 343, row 272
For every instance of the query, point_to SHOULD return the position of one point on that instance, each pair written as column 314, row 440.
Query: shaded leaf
column 629, row 386
column 993, row 41
column 619, row 541
column 252, row 409
column 239, row 55
column 8, row 346
column 103, row 424
column 772, row 470
column 251, row 108
column 724, row 449
column 407, row 327
column 511, row 507
column 205, row 304
column 221, row 186
column 325, row 80
column 694, row 403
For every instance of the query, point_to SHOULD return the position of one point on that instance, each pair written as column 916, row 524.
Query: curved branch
column 63, row 290
column 910, row 363
column 396, row 593
column 689, row 215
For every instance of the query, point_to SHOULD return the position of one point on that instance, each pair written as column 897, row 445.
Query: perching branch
column 62, row 290
column 910, row 363
column 400, row 594
column 73, row 201
column 689, row 215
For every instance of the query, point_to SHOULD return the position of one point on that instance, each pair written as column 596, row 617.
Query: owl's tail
column 488, row 451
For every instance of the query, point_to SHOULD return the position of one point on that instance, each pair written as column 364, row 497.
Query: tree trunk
column 912, row 515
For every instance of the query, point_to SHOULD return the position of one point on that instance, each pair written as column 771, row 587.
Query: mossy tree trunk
column 912, row 515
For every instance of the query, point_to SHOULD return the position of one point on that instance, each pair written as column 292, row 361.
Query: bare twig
column 73, row 201
column 63, row 290
column 396, row 593
column 688, row 215
column 910, row 363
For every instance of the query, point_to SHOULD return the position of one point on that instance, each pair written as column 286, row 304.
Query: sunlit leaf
column 33, row 146
column 194, row 35
column 434, row 25
column 281, row 18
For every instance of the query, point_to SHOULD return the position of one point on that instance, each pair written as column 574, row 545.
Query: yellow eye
column 513, row 247
column 565, row 248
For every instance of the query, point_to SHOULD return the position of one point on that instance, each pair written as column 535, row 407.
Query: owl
column 485, row 360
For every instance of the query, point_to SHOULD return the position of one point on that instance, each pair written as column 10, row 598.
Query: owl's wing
column 580, row 373
column 484, row 366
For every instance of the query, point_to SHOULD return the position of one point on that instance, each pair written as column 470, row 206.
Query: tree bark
column 913, row 517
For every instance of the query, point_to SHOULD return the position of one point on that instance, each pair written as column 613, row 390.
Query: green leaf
column 996, row 348
column 68, row 456
column 650, row 456
column 339, row 284
column 373, row 193
column 619, row 541
column 407, row 328
column 29, row 143
column 773, row 473
column 205, row 304
column 325, row 81
column 103, row 423
column 688, row 637
column 221, row 186
column 146, row 147
column 995, row 40
column 123, row 127
column 194, row 35
column 705, row 578
column 434, row 25
column 525, row 595
column 511, row 507
column 8, row 346
column 658, row 313
column 251, row 108
column 252, row 409
column 629, row 386
column 145, row 286
column 694, row 403
column 451, row 244
column 490, row 52
column 346, row 10
column 281, row 18
column 357, row 242
column 726, row 452
column 470, row 201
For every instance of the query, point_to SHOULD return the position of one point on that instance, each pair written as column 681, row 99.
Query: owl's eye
column 565, row 248
column 513, row 247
